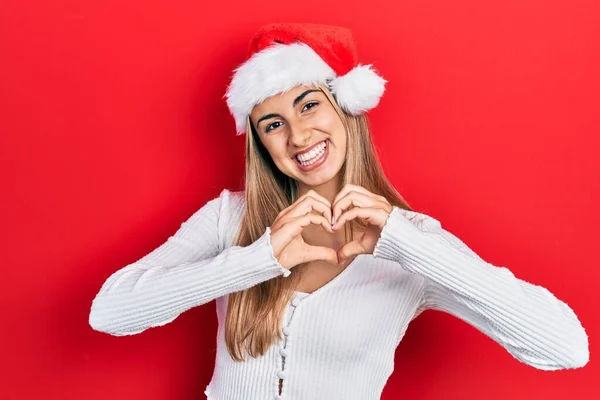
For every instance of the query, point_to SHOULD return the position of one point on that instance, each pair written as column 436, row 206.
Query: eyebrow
column 295, row 103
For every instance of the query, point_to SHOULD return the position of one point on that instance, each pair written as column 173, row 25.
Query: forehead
column 284, row 99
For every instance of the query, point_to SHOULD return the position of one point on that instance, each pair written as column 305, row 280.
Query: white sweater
column 339, row 341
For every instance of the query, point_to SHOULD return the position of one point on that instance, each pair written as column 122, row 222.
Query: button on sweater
column 339, row 341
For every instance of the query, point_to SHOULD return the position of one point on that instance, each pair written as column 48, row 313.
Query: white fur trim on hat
column 274, row 70
column 359, row 90
column 280, row 67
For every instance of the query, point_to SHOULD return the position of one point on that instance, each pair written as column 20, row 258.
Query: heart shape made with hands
column 367, row 206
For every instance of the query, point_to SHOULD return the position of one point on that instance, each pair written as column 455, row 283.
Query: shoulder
column 222, row 215
column 231, row 201
column 227, row 205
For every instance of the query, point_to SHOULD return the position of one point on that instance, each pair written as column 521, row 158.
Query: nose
column 299, row 134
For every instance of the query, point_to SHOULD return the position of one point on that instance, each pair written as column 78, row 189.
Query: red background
column 114, row 131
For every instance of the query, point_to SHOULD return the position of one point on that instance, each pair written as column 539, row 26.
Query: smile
column 313, row 158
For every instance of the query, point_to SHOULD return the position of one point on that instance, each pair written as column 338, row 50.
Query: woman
column 308, row 309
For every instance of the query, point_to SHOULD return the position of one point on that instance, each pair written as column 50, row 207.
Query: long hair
column 253, row 319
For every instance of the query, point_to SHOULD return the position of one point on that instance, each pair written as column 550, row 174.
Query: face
column 302, row 123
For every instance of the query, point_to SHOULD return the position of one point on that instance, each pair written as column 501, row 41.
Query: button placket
column 284, row 350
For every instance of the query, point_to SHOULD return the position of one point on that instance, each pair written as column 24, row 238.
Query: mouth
column 318, row 159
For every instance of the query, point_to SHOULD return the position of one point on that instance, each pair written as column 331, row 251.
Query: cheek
column 332, row 124
column 277, row 151
column 329, row 118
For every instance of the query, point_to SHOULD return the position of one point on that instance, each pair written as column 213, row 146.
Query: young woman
column 319, row 265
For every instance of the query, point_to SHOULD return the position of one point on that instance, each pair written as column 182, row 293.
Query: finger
column 292, row 228
column 374, row 216
column 349, row 188
column 324, row 200
column 310, row 204
column 320, row 253
column 311, row 194
column 304, row 205
column 297, row 224
column 316, row 195
column 357, row 199
column 348, row 250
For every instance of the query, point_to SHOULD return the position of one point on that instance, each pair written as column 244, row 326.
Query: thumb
column 322, row 253
column 348, row 250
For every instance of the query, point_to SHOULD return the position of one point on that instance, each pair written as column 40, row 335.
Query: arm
column 527, row 320
column 184, row 272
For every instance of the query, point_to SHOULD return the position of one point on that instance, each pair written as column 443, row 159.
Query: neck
column 327, row 189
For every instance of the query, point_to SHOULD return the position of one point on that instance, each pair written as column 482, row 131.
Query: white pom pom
column 359, row 90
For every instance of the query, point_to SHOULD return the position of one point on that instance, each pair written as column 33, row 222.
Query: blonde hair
column 253, row 318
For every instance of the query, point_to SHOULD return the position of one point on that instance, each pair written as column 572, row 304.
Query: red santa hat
column 285, row 55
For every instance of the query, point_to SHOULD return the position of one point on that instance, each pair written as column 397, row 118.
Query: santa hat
column 285, row 55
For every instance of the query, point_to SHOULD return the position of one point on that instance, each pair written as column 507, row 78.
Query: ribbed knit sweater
column 339, row 341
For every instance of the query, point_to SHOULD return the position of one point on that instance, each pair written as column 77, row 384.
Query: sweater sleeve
column 184, row 272
column 526, row 319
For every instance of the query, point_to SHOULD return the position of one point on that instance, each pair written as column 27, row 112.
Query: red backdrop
column 114, row 131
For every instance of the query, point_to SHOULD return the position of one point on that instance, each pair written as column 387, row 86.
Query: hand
column 289, row 247
column 372, row 208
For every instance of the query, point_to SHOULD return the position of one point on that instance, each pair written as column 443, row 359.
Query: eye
column 272, row 126
column 313, row 104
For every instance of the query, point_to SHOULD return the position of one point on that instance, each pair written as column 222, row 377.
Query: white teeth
column 312, row 156
column 314, row 153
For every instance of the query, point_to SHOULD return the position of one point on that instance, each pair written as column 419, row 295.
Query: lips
column 317, row 163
